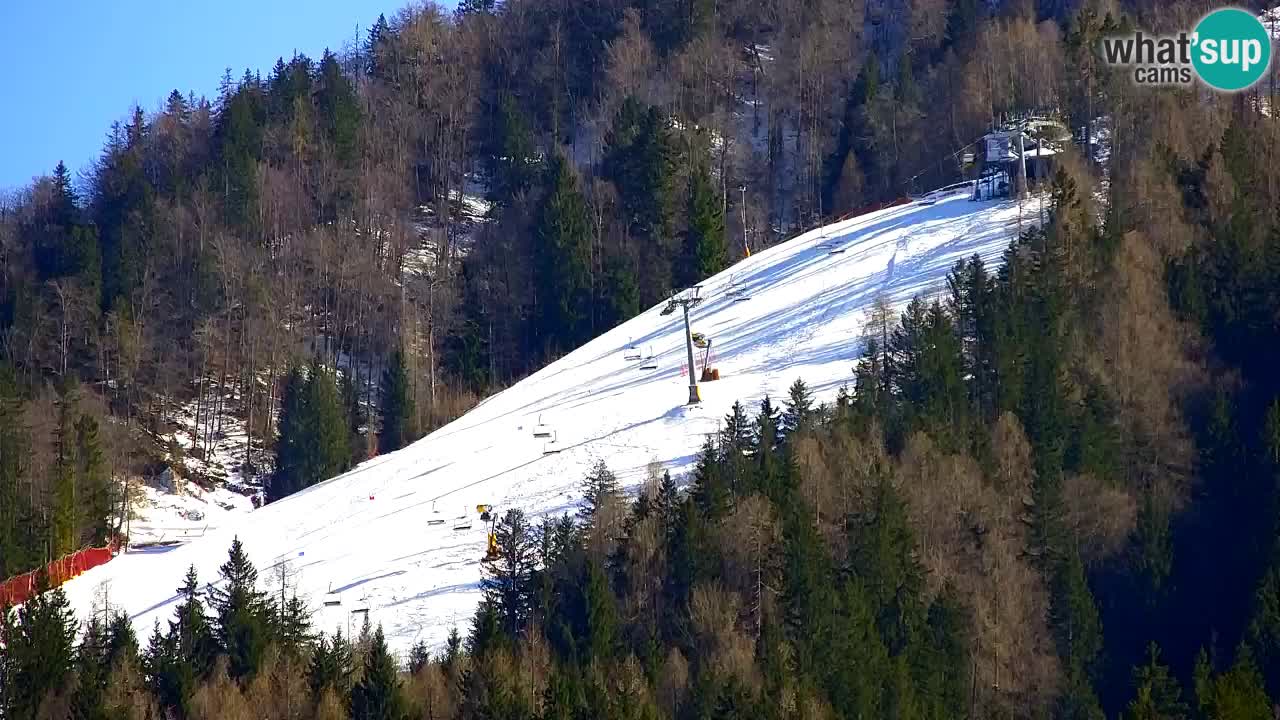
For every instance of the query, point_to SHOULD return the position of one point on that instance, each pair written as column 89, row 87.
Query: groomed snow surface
column 364, row 538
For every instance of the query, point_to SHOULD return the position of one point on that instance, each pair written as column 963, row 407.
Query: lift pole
column 689, row 300
column 694, row 398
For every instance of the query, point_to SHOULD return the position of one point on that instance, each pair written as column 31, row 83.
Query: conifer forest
column 1051, row 490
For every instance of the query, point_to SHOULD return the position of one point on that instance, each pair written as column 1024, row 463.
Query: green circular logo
column 1231, row 49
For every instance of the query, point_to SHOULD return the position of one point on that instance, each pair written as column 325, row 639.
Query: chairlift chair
column 650, row 363
column 331, row 598
column 552, row 446
column 540, row 430
column 630, row 352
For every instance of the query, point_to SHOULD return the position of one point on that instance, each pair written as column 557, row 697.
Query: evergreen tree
column 93, row 481
column 563, row 261
column 338, row 108
column 1157, row 695
column 325, row 429
column 355, row 418
column 39, row 651
column 704, row 249
column 511, row 164
column 378, row 695
column 799, row 415
column 315, row 433
column 508, row 581
column 602, row 635
column 599, row 489
column 290, row 446
column 711, row 490
column 419, row 657
column 396, row 414
column 330, row 667
column 67, row 508
column 17, row 551
column 242, row 621
column 882, row 556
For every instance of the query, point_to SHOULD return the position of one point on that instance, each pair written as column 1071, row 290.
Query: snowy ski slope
column 365, row 536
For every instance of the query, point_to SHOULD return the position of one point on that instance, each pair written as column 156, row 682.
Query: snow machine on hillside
column 700, row 340
column 487, row 514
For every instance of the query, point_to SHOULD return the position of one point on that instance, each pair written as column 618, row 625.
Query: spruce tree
column 563, row 254
column 16, row 552
column 599, row 489
column 325, row 429
column 39, row 650
column 704, row 245
column 67, row 508
column 799, row 415
column 355, row 418
column 397, row 416
column 242, row 614
column 378, row 695
column 194, row 644
column 330, row 667
column 93, row 481
column 1156, row 693
column 602, row 626
column 711, row 489
column 290, row 447
column 507, row 583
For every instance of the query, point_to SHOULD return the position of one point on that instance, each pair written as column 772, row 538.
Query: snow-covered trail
column 366, row 536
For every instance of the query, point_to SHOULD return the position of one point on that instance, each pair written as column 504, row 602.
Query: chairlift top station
column 420, row 579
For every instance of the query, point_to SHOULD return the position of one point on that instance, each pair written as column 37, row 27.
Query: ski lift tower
column 688, row 299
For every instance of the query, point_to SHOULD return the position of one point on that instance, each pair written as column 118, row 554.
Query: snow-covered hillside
column 366, row 536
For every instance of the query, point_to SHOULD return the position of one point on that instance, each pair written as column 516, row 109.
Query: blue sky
column 75, row 66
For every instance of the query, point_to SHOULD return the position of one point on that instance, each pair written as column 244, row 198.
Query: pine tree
column 599, row 490
column 242, row 622
column 419, row 657
column 355, row 419
column 396, row 414
column 290, row 447
column 194, row 642
column 602, row 626
column 338, row 109
column 710, row 489
column 511, row 164
column 93, row 481
column 508, row 581
column 67, row 509
column 377, row 695
column 16, row 550
column 704, row 246
column 882, row 555
column 799, row 415
column 330, row 668
column 1157, row 695
column 325, row 429
column 563, row 261
column 39, row 651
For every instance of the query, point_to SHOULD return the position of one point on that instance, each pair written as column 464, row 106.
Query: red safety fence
column 17, row 590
